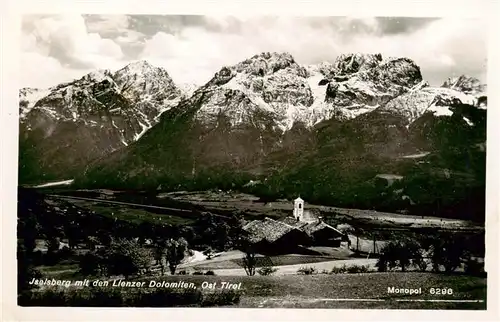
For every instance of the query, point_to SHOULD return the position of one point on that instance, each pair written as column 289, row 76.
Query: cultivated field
column 228, row 202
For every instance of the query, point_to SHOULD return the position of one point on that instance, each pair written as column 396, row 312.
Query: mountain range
column 362, row 131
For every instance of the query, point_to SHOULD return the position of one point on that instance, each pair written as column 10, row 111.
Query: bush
column 209, row 272
column 306, row 270
column 399, row 254
column 421, row 263
column 197, row 273
column 358, row 269
column 25, row 270
column 267, row 270
column 473, row 267
column 339, row 270
column 447, row 251
column 221, row 298
column 208, row 252
column 89, row 264
column 126, row 257
column 381, row 264
column 175, row 253
column 38, row 258
column 183, row 272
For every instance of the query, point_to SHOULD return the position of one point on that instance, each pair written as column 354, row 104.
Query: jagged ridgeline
column 64, row 128
column 363, row 131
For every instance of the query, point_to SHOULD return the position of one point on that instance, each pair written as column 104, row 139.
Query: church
column 302, row 229
column 310, row 222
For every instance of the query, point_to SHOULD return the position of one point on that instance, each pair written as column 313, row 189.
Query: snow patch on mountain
column 469, row 122
column 56, row 183
column 187, row 89
column 466, row 84
column 436, row 100
column 28, row 97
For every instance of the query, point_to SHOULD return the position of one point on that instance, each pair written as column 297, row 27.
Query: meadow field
column 366, row 290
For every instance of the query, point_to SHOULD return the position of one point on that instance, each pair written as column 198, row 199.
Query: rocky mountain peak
column 107, row 109
column 138, row 65
column 353, row 62
column 261, row 65
column 466, row 84
column 424, row 99
column 275, row 83
column 266, row 63
column 359, row 83
column 271, row 83
column 97, row 76
column 142, row 82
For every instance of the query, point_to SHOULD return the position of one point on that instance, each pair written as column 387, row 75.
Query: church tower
column 298, row 209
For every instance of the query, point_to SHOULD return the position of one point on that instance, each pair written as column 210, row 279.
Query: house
column 275, row 237
column 320, row 233
column 323, row 234
column 287, row 236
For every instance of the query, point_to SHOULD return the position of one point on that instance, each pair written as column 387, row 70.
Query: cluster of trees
column 104, row 245
column 40, row 220
column 128, row 258
column 445, row 252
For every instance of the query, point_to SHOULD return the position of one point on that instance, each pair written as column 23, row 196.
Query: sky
column 60, row 48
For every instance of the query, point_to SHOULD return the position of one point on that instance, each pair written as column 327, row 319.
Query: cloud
column 442, row 47
column 62, row 46
column 193, row 48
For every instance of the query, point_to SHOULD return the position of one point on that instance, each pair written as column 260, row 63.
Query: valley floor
column 226, row 203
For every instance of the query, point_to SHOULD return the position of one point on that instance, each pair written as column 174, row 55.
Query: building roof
column 267, row 229
column 293, row 222
column 313, row 227
column 310, row 227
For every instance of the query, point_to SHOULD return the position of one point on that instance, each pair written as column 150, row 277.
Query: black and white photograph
column 252, row 161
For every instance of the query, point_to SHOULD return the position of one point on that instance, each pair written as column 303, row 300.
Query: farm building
column 321, row 234
column 272, row 236
column 286, row 236
column 324, row 235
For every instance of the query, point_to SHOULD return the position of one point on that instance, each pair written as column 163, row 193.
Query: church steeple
column 298, row 209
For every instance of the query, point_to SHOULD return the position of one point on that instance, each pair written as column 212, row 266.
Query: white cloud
column 41, row 71
column 440, row 47
column 60, row 47
column 107, row 23
column 193, row 53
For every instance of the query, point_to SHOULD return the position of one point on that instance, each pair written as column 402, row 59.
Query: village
column 289, row 244
column 290, row 236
